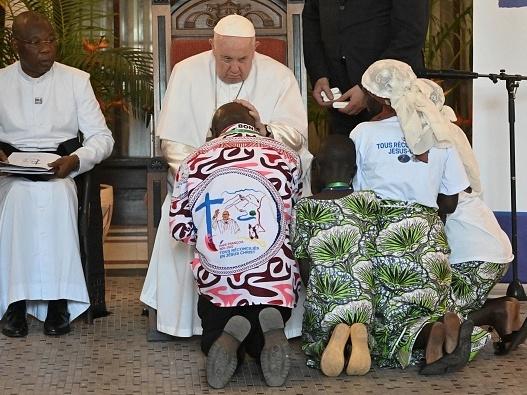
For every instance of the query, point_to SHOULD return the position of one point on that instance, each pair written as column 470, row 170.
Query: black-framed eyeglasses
column 38, row 43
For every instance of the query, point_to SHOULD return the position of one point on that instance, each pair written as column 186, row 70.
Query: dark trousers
column 343, row 124
column 214, row 319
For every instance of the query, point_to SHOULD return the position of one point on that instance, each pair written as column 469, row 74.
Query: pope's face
column 36, row 46
column 234, row 57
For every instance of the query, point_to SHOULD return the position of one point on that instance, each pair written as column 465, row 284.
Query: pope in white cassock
column 43, row 104
column 231, row 71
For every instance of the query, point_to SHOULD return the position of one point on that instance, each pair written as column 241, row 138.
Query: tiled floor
column 112, row 356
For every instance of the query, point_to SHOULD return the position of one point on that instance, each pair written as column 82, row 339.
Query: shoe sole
column 275, row 355
column 332, row 360
column 360, row 360
column 452, row 324
column 222, row 358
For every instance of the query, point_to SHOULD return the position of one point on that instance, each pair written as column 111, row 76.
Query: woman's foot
column 502, row 314
column 458, row 359
column 332, row 361
column 360, row 360
column 451, row 323
column 434, row 345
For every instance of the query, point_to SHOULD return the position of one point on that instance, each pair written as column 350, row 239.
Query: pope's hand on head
column 63, row 166
column 357, row 100
column 3, row 156
column 254, row 113
column 322, row 85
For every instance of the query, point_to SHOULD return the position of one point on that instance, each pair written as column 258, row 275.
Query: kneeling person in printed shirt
column 233, row 199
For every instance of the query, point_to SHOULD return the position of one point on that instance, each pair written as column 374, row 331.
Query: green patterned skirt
column 412, row 279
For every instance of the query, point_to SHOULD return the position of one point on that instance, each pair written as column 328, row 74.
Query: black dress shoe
column 15, row 323
column 58, row 319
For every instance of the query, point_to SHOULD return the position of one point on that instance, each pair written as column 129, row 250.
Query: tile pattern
column 112, row 356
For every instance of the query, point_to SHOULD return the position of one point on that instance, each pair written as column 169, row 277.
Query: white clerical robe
column 193, row 94
column 39, row 243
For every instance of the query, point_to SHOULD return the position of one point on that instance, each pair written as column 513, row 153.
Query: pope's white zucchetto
column 235, row 26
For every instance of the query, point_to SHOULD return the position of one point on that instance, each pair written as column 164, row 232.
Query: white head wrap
column 458, row 136
column 422, row 124
column 235, row 26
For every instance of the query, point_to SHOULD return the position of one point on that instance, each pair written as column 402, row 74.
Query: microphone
column 449, row 74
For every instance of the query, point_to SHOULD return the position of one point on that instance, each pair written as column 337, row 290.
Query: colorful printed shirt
column 233, row 200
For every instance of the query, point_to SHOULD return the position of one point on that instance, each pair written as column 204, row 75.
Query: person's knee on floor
column 224, row 357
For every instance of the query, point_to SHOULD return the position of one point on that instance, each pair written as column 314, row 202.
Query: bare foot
column 434, row 345
column 451, row 323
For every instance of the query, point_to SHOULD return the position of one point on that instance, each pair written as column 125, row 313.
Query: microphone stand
column 512, row 82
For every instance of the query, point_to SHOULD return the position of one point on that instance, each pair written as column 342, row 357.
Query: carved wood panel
column 198, row 17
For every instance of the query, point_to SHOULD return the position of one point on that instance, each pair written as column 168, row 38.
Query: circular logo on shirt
column 403, row 158
column 239, row 219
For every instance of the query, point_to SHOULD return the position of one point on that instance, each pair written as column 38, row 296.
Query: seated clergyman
column 43, row 106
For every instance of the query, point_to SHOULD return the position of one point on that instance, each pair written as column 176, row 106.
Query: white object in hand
column 336, row 94
column 37, row 160
column 340, row 104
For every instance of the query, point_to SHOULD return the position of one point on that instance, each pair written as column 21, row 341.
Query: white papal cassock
column 39, row 243
column 193, row 94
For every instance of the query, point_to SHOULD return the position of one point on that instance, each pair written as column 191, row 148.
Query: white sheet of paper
column 35, row 160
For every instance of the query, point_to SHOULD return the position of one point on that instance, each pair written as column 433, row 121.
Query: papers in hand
column 28, row 163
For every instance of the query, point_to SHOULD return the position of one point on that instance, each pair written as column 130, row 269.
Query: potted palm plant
column 122, row 77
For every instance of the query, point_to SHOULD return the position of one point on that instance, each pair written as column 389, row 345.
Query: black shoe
column 58, row 319
column 458, row 359
column 511, row 341
column 274, row 358
column 15, row 323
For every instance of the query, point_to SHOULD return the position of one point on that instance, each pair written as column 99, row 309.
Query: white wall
column 500, row 42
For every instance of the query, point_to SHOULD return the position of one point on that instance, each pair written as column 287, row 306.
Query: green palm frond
column 365, row 275
column 332, row 288
column 397, row 277
column 334, row 245
column 439, row 267
column 441, row 240
column 421, row 300
column 492, row 270
column 403, row 237
column 349, row 313
column 121, row 77
column 387, row 213
column 315, row 213
column 362, row 204
column 444, row 39
column 461, row 287
column 310, row 319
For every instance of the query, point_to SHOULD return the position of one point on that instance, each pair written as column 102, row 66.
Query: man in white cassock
column 231, row 71
column 43, row 105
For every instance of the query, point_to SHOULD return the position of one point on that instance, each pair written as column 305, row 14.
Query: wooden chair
column 91, row 244
column 181, row 28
